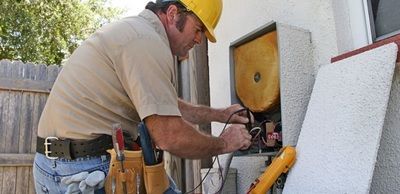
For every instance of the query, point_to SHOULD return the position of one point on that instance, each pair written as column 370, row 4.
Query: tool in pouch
column 126, row 167
column 155, row 176
column 119, row 147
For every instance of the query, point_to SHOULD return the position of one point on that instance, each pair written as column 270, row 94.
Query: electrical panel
column 260, row 62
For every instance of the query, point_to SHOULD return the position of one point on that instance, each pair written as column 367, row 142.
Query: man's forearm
column 178, row 137
column 199, row 114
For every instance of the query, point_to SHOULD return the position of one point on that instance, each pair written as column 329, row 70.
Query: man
column 125, row 73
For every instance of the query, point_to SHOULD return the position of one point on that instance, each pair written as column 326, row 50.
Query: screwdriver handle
column 118, row 140
column 147, row 146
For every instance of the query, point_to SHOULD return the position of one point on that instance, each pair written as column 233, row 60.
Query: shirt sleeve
column 145, row 68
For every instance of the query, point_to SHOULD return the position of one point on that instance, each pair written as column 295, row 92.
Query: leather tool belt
column 133, row 173
column 138, row 177
column 55, row 148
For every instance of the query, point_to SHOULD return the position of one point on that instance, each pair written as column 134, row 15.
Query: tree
column 48, row 31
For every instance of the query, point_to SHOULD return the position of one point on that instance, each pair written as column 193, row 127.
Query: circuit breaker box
column 271, row 74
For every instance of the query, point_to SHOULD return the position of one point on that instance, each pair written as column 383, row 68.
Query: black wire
column 230, row 117
column 222, row 176
column 219, row 166
column 224, row 180
column 216, row 157
column 220, row 169
column 202, row 180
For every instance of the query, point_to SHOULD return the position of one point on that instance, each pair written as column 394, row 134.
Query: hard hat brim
column 210, row 33
column 210, row 36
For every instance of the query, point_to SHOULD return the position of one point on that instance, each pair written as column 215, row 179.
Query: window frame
column 371, row 24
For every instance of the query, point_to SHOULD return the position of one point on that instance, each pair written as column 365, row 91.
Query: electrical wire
column 220, row 169
column 254, row 136
column 257, row 133
column 229, row 159
column 230, row 156
column 216, row 157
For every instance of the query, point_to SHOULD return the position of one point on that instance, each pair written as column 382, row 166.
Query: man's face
column 185, row 35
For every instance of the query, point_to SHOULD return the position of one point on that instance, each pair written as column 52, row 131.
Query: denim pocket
column 40, row 178
column 41, row 189
column 48, row 173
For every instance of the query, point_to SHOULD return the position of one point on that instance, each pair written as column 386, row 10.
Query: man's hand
column 240, row 117
column 236, row 137
column 199, row 114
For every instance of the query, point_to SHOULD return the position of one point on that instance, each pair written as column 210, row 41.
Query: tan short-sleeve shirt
column 123, row 73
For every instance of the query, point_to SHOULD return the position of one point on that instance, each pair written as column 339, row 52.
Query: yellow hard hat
column 208, row 11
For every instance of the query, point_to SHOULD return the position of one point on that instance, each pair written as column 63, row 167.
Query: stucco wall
column 386, row 177
column 340, row 137
column 241, row 17
column 336, row 26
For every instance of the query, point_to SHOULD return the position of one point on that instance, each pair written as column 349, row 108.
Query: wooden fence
column 24, row 89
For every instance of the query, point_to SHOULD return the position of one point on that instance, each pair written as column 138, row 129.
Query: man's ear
column 172, row 11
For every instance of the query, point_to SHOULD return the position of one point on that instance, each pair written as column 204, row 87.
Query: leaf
column 48, row 31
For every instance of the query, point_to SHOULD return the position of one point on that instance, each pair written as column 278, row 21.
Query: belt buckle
column 46, row 147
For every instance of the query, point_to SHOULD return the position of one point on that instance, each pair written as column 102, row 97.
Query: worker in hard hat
column 126, row 73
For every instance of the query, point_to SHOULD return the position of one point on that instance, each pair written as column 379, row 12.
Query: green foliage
column 48, row 31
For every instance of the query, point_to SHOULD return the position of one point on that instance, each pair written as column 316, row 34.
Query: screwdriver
column 119, row 147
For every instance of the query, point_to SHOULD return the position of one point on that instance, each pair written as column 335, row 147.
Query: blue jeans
column 48, row 173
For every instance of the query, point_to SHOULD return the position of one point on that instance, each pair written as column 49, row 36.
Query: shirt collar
column 155, row 22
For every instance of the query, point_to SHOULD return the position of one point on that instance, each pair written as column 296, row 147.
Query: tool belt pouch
column 155, row 179
column 132, row 177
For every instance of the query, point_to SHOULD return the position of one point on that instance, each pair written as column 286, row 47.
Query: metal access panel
column 271, row 71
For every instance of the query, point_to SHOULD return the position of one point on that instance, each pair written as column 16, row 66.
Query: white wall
column 341, row 132
column 336, row 26
column 241, row 17
column 386, row 175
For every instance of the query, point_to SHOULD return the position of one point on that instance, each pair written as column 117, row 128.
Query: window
column 384, row 16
